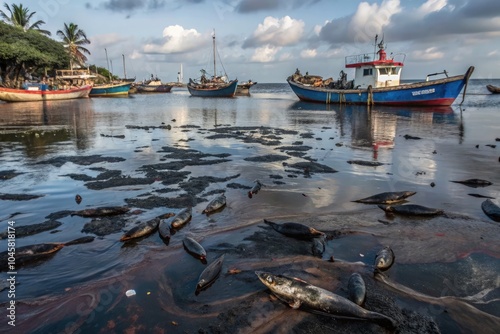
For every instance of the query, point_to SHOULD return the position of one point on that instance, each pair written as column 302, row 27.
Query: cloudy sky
column 266, row 40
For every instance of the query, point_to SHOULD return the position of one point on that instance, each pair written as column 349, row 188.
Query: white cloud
column 176, row 39
column 277, row 32
column 431, row 53
column 309, row 53
column 106, row 40
column 371, row 19
column 265, row 54
column 431, row 6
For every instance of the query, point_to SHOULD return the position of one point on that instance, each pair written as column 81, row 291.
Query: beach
column 157, row 154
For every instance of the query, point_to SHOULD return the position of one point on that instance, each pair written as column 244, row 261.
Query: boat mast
column 124, row 70
column 107, row 61
column 213, row 42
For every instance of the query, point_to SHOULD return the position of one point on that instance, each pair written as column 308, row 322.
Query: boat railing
column 360, row 58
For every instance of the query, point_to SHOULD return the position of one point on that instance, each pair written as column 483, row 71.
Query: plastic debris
column 130, row 293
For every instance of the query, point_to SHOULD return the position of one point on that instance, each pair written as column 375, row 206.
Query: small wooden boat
column 43, row 94
column 153, row 86
column 377, row 82
column 216, row 86
column 493, row 89
column 244, row 88
column 108, row 90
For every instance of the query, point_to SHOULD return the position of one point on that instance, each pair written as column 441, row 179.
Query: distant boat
column 153, row 86
column 377, row 81
column 244, row 88
column 493, row 89
column 109, row 90
column 216, row 86
column 41, row 93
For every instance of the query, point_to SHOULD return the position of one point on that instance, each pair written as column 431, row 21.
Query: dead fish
column 215, row 204
column 195, row 249
column 209, row 275
column 474, row 183
column 181, row 218
column 296, row 293
column 164, row 229
column 102, row 211
column 387, row 197
column 141, row 230
column 411, row 210
column 78, row 199
column 365, row 163
column 384, row 258
column 481, row 196
column 357, row 289
column 32, row 253
column 318, row 247
column 295, row 230
column 491, row 210
column 255, row 189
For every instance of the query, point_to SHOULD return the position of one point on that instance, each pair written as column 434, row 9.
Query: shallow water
column 31, row 133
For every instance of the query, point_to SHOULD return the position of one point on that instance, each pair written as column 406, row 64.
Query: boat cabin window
column 367, row 71
column 388, row 70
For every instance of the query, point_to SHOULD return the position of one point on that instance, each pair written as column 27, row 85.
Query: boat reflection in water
column 376, row 127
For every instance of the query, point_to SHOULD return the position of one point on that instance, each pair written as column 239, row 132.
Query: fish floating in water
column 32, row 253
column 295, row 230
column 215, row 204
column 387, row 197
column 297, row 293
column 384, row 259
column 101, row 211
column 195, row 249
column 255, row 189
column 474, row 183
column 181, row 218
column 141, row 230
column 357, row 289
column 209, row 275
column 491, row 210
column 411, row 210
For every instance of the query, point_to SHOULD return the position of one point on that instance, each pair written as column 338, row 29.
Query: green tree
column 27, row 51
column 20, row 16
column 73, row 39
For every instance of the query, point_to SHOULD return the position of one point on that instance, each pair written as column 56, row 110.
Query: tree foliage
column 73, row 39
column 20, row 16
column 28, row 51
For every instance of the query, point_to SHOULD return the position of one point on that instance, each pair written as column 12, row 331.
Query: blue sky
column 266, row 40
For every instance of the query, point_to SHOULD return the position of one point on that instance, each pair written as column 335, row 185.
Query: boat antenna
column 375, row 47
column 213, row 42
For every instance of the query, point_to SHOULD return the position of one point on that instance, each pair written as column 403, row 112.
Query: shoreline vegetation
column 29, row 56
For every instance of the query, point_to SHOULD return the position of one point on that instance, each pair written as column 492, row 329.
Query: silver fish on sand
column 215, row 204
column 384, row 258
column 181, row 218
column 195, row 249
column 141, row 230
column 295, row 230
column 411, row 210
column 387, row 197
column 209, row 275
column 357, row 289
column 297, row 293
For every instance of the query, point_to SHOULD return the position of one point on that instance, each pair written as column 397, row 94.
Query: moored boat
column 377, row 81
column 216, row 86
column 244, row 88
column 493, row 89
column 42, row 94
column 108, row 90
column 153, row 86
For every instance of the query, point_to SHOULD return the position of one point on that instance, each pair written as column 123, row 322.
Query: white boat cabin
column 381, row 72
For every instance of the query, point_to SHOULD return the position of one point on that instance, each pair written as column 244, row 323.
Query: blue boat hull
column 226, row 91
column 110, row 90
column 442, row 92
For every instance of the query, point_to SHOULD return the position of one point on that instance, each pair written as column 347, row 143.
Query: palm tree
column 73, row 39
column 20, row 16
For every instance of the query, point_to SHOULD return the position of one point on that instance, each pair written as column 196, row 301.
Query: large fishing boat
column 378, row 81
column 215, row 86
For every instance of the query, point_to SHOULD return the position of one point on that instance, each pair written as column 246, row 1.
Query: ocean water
column 453, row 145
